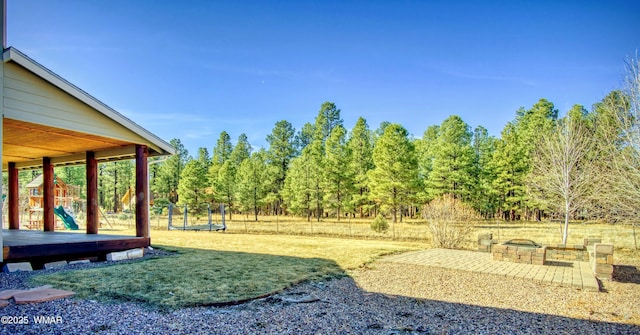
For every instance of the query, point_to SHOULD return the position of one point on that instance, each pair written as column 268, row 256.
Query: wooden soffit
column 27, row 143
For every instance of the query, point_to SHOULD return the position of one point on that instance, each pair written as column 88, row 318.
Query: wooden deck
column 40, row 246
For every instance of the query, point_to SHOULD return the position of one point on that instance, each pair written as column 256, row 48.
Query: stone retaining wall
column 599, row 255
column 567, row 252
column 602, row 260
column 485, row 242
column 527, row 255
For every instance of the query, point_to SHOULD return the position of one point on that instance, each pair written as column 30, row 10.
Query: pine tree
column 203, row 157
column 251, row 187
column 169, row 172
column 221, row 153
column 510, row 165
column 615, row 179
column 484, row 147
column 393, row 180
column 452, row 170
column 360, row 145
column 338, row 176
column 75, row 176
column 303, row 138
column 315, row 153
column 281, row 151
column 297, row 188
column 193, row 184
column 512, row 159
column 241, row 151
column 114, row 180
column 328, row 118
column 425, row 149
column 222, row 149
column 225, row 184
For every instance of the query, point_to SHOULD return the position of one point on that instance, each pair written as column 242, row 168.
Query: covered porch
column 39, row 247
column 48, row 122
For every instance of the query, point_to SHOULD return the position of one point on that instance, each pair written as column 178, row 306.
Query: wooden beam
column 14, row 197
column 92, row 193
column 113, row 154
column 48, row 190
column 142, row 190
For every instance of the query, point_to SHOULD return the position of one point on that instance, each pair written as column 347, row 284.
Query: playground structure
column 128, row 200
column 64, row 196
column 210, row 226
column 67, row 218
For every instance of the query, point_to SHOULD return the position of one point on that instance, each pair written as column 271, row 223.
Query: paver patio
column 565, row 273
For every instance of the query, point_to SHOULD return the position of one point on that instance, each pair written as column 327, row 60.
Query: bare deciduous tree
column 562, row 175
column 627, row 166
column 624, row 171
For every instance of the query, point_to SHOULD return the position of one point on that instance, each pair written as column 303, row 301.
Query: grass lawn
column 217, row 268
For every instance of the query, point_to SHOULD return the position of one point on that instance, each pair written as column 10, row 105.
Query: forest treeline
column 584, row 165
column 541, row 166
column 324, row 169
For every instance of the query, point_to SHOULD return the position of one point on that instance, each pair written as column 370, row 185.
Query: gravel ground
column 387, row 298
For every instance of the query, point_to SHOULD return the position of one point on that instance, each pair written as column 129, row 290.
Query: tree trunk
column 318, row 209
column 565, row 233
column 255, row 203
column 308, row 202
column 115, row 187
column 361, row 210
column 338, row 210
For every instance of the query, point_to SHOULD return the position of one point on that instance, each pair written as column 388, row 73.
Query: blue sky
column 191, row 69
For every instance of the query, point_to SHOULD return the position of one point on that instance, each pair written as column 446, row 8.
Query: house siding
column 29, row 98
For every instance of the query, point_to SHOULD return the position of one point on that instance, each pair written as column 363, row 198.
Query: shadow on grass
column 192, row 277
column 626, row 274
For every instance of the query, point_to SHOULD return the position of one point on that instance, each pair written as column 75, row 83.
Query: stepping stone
column 4, row 303
column 8, row 294
column 41, row 295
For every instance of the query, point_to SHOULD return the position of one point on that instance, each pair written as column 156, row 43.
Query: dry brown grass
column 546, row 232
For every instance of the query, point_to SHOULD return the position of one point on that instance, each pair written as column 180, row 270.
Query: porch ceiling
column 25, row 142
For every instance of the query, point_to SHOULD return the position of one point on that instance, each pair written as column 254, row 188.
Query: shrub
column 124, row 216
column 379, row 224
column 450, row 221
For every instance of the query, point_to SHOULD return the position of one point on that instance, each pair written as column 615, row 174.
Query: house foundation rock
column 13, row 267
